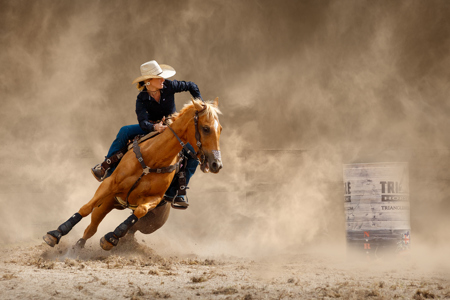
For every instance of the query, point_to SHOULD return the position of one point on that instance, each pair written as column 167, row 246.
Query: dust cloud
column 305, row 86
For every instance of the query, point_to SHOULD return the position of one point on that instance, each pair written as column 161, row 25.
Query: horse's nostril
column 214, row 165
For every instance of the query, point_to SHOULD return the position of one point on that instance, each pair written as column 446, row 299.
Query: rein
column 197, row 137
column 185, row 147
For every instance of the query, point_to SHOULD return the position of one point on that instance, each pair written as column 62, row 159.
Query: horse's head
column 207, row 134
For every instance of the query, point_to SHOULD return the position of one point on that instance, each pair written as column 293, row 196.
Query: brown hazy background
column 304, row 86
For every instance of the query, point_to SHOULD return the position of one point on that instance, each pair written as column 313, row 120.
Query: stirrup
column 176, row 205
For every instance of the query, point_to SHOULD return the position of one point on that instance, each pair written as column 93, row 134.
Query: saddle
column 114, row 159
column 142, row 138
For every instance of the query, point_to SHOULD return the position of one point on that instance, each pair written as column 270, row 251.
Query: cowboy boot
column 99, row 172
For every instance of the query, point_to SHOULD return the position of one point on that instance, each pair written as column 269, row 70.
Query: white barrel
column 377, row 210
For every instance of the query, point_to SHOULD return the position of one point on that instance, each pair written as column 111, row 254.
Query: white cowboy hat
column 152, row 69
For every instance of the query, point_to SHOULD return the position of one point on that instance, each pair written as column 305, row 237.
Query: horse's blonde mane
column 211, row 111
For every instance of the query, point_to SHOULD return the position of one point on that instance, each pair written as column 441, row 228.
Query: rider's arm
column 143, row 117
column 184, row 86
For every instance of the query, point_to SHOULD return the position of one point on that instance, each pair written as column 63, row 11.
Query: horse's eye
column 206, row 129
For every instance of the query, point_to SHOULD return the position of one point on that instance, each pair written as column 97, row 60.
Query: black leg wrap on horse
column 112, row 238
column 65, row 227
column 56, row 234
column 123, row 228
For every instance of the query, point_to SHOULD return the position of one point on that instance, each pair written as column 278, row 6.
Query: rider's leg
column 191, row 166
column 125, row 134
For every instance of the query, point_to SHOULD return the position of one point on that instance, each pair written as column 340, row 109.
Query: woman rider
column 154, row 103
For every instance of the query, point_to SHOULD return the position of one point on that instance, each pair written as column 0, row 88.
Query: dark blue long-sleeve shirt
column 149, row 111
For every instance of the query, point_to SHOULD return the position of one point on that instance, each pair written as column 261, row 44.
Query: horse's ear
column 196, row 105
column 216, row 102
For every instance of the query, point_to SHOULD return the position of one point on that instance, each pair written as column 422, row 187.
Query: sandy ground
column 135, row 271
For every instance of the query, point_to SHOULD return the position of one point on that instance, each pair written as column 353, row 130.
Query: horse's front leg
column 111, row 239
column 53, row 237
column 98, row 214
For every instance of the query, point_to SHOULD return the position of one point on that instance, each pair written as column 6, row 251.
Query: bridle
column 199, row 155
column 197, row 136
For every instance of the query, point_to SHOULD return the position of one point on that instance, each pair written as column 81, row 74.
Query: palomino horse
column 197, row 124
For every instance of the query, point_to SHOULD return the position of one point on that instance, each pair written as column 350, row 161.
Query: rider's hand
column 160, row 127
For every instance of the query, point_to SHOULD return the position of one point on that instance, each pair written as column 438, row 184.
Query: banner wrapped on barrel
column 377, row 208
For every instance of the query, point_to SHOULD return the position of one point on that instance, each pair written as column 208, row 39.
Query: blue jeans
column 127, row 133
column 191, row 166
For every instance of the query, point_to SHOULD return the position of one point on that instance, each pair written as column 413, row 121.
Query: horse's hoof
column 105, row 244
column 50, row 240
column 80, row 243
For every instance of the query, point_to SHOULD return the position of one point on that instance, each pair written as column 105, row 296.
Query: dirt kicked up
column 138, row 272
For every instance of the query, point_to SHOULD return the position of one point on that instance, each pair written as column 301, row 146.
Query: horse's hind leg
column 149, row 223
column 111, row 239
column 98, row 214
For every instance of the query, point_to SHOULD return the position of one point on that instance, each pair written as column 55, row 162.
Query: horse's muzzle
column 216, row 166
column 213, row 162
